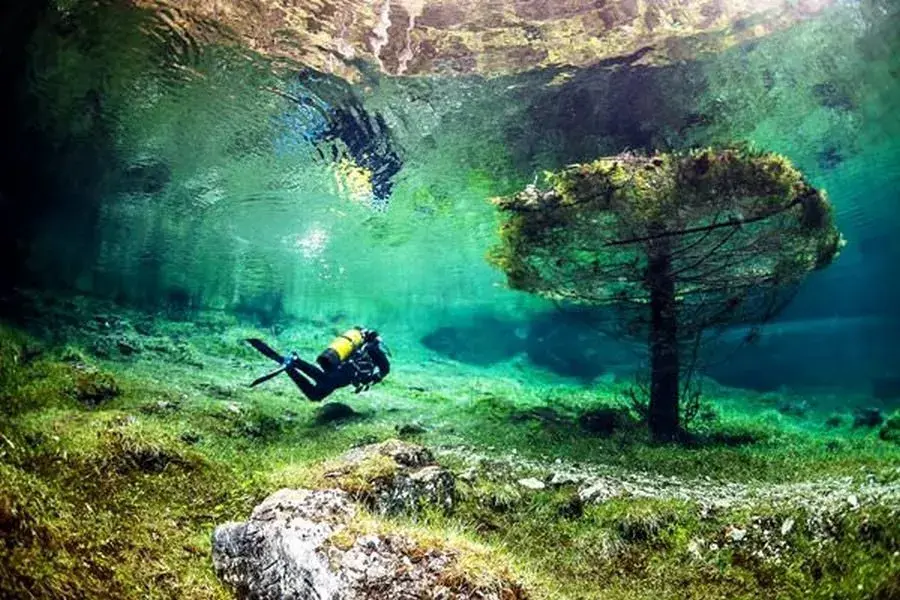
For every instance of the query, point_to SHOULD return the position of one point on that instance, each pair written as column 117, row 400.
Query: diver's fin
column 265, row 349
column 267, row 377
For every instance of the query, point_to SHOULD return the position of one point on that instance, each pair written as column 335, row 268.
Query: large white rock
column 283, row 552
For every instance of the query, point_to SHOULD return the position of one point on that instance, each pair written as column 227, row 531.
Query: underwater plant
column 683, row 243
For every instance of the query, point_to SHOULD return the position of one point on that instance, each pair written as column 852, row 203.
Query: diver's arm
column 379, row 357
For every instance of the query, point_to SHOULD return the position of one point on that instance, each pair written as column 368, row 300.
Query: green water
column 170, row 189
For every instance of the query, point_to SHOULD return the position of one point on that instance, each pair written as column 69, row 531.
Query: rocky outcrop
column 300, row 545
column 393, row 477
column 414, row 37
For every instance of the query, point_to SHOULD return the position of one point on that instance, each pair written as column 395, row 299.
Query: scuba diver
column 357, row 357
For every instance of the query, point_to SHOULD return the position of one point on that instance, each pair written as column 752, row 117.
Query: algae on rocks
column 393, row 477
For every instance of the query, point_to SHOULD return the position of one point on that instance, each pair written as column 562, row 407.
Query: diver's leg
column 310, row 390
column 310, row 370
column 322, row 384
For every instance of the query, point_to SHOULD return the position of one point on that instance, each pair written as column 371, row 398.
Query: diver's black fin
column 266, row 377
column 265, row 349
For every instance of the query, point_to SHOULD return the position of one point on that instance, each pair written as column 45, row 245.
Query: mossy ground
column 115, row 470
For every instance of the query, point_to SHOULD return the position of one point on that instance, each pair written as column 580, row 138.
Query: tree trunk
column 664, row 365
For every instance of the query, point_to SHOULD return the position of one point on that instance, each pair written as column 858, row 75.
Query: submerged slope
column 128, row 438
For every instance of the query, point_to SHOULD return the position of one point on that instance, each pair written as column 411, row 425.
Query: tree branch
column 729, row 223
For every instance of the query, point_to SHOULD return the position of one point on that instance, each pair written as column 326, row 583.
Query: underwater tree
column 682, row 242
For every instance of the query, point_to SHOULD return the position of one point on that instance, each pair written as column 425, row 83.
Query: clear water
column 182, row 167
column 179, row 176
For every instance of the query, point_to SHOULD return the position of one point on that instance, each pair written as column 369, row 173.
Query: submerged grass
column 117, row 495
column 737, row 446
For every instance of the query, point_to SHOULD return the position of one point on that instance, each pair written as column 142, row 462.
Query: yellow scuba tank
column 341, row 348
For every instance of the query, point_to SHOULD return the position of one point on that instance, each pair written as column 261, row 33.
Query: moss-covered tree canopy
column 729, row 221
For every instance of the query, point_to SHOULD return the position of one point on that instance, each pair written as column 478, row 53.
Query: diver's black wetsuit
column 366, row 366
column 363, row 368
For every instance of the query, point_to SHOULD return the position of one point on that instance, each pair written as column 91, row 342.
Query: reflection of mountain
column 411, row 37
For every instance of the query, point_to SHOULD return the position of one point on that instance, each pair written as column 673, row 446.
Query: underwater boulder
column 867, row 417
column 604, row 421
column 301, row 544
column 393, row 477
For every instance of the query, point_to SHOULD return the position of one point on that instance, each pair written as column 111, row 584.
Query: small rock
column 93, row 387
column 564, row 479
column 867, row 417
column 409, row 477
column 834, row 421
column 531, row 483
column 335, row 411
column 795, row 407
column 853, row 501
column 603, row 421
column 409, row 429
column 714, row 546
column 217, row 390
column 695, row 548
column 573, row 508
column 736, row 534
column 599, row 491
column 787, row 526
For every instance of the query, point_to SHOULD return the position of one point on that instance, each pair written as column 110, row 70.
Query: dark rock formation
column 604, row 421
column 334, row 412
column 867, row 417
